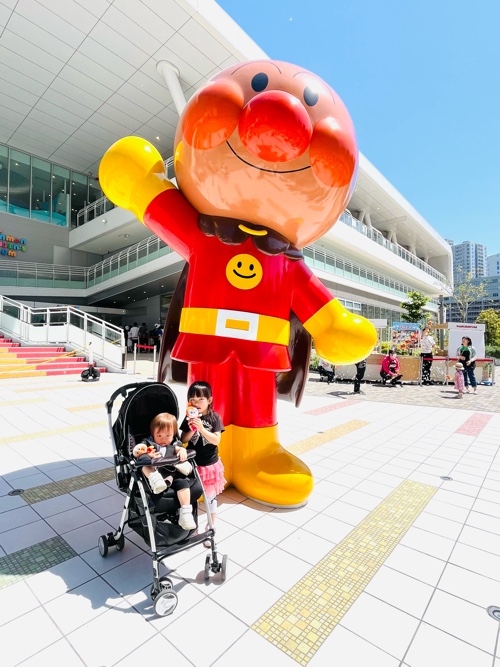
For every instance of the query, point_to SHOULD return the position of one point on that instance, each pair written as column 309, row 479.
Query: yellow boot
column 264, row 471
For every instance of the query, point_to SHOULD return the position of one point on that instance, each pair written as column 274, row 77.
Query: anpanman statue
column 265, row 162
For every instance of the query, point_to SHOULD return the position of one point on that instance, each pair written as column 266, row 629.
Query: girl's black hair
column 203, row 389
column 467, row 338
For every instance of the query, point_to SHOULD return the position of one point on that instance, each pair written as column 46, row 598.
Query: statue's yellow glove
column 340, row 336
column 132, row 174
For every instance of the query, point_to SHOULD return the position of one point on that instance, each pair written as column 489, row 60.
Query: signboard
column 405, row 336
column 9, row 245
column 456, row 330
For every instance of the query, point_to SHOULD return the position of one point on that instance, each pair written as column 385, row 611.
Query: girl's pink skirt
column 213, row 476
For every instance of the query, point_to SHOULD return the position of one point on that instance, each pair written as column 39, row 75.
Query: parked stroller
column 153, row 516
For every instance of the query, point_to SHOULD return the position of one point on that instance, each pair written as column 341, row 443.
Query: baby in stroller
column 150, row 454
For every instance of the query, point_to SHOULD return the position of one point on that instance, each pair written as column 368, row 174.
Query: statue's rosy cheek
column 333, row 153
column 211, row 116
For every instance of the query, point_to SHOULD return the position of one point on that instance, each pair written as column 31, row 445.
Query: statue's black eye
column 310, row 97
column 259, row 82
column 239, row 265
column 251, row 267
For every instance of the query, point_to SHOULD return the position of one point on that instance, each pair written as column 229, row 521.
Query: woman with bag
column 467, row 354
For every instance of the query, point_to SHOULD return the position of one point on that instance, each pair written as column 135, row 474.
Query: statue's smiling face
column 268, row 143
column 244, row 271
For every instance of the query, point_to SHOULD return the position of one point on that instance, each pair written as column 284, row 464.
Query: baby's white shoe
column 157, row 482
column 186, row 519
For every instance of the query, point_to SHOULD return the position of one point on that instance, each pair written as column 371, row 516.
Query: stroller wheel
column 165, row 585
column 165, row 603
column 223, row 568
column 120, row 544
column 207, row 568
column 102, row 545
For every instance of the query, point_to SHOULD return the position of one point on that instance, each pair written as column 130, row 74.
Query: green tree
column 491, row 318
column 414, row 307
column 466, row 290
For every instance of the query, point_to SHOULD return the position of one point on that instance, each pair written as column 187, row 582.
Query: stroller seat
column 153, row 516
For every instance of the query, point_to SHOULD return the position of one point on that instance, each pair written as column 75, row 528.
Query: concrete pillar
column 368, row 220
column 171, row 75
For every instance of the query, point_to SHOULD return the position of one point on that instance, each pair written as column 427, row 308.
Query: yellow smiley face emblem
column 244, row 271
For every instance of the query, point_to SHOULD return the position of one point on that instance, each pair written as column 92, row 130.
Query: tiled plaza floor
column 388, row 565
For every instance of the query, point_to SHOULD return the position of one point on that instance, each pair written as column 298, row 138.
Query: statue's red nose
column 275, row 126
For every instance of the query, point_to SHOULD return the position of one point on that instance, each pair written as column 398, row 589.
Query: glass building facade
column 41, row 190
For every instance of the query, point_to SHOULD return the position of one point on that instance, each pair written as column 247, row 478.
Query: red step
column 16, row 349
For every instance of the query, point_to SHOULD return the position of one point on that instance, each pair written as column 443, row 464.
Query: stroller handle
column 122, row 391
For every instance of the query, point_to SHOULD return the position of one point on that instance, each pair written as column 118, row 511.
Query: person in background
column 143, row 335
column 467, row 355
column 158, row 333
column 427, row 345
column 360, row 374
column 134, row 335
column 128, row 340
column 328, row 368
column 390, row 369
column 459, row 380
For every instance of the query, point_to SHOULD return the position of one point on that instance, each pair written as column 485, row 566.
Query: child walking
column 203, row 434
column 164, row 442
column 459, row 380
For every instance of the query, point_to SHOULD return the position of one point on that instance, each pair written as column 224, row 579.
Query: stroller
column 153, row 517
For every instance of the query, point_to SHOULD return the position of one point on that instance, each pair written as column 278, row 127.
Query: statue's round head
column 268, row 143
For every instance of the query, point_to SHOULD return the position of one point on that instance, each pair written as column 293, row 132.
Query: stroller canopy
column 142, row 404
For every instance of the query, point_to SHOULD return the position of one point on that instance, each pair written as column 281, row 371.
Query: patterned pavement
column 392, row 563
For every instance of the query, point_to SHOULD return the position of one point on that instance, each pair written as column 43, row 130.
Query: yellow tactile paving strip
column 303, row 618
column 80, row 408
column 321, row 438
column 11, row 439
column 23, row 400
column 54, row 489
column 78, row 384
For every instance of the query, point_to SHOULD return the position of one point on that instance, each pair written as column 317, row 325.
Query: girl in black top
column 203, row 434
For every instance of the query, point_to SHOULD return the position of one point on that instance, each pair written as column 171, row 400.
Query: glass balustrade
column 375, row 235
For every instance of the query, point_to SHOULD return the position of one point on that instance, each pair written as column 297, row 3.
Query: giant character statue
column 265, row 161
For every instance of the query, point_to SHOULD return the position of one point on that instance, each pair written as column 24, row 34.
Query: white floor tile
column 15, row 601
column 438, row 525
column 447, row 511
column 71, row 519
column 94, row 641
column 253, row 649
column 400, row 591
column 247, row 596
column 25, row 536
column 470, row 586
column 243, row 548
column 280, row 568
column 346, row 649
column 60, row 578
column 306, row 545
column 462, row 619
column 158, row 646
column 52, row 506
column 79, row 606
column 132, row 576
column 416, row 564
column 241, row 514
column 345, row 512
column 484, row 522
column 381, row 624
column 328, row 528
column 476, row 560
column 209, row 645
column 13, row 635
column 296, row 517
column 15, row 518
column 59, row 653
column 270, row 528
column 428, row 543
column 85, row 538
column 434, row 648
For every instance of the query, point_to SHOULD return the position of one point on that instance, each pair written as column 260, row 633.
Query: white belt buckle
column 248, row 321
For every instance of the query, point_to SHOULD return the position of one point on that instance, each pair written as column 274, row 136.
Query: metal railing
column 103, row 205
column 64, row 325
column 136, row 255
column 377, row 236
column 27, row 274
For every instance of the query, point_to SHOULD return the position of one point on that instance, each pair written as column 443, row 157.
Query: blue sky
column 422, row 83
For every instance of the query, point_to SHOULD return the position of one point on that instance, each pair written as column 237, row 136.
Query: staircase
column 17, row 361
